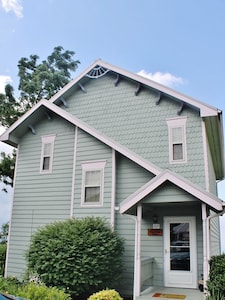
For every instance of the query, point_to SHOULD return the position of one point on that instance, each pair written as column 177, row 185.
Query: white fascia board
column 185, row 185
column 5, row 135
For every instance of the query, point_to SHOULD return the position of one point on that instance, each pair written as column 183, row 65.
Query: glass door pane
column 179, row 246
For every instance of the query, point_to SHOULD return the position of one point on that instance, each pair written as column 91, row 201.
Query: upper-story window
column 177, row 140
column 93, row 183
column 47, row 153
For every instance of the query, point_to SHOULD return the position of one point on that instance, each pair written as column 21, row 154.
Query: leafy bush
column 9, row 285
column 216, row 282
column 106, row 295
column 37, row 292
column 80, row 255
column 32, row 291
column 3, row 247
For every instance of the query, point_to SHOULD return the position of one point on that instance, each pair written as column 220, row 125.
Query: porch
column 148, row 291
column 186, row 294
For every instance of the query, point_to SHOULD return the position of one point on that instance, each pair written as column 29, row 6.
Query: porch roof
column 209, row 199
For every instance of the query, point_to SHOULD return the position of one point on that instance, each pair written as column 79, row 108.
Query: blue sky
column 180, row 43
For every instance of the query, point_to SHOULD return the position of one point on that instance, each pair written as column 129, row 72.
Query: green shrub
column 3, row 247
column 106, row 295
column 37, row 292
column 216, row 282
column 9, row 285
column 31, row 291
column 80, row 255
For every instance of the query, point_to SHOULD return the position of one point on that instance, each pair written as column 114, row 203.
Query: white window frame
column 93, row 166
column 172, row 124
column 47, row 139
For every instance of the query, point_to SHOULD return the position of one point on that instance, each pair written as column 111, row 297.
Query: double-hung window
column 92, row 183
column 177, row 140
column 47, row 153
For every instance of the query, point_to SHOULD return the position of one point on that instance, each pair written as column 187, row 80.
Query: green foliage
column 79, row 255
column 3, row 248
column 106, row 295
column 43, row 80
column 31, row 290
column 10, row 109
column 9, row 285
column 7, row 165
column 216, row 282
column 4, row 233
column 37, row 292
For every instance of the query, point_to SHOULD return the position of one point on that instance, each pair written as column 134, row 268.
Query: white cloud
column 14, row 6
column 163, row 78
column 3, row 81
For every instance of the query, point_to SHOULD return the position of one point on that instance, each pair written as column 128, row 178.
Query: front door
column 180, row 263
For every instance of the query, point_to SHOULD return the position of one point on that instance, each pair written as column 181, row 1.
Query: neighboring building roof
column 211, row 200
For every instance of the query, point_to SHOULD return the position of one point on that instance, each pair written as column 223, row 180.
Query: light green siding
column 90, row 149
column 138, row 123
column 39, row 198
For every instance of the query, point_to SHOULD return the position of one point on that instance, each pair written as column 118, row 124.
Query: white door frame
column 180, row 278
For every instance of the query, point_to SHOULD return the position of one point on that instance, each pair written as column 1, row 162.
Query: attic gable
column 159, row 95
column 100, row 68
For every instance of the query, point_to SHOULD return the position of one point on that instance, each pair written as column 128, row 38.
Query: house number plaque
column 155, row 232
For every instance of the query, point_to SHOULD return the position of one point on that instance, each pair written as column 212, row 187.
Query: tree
column 3, row 246
column 83, row 255
column 10, row 108
column 36, row 81
column 43, row 80
column 7, row 165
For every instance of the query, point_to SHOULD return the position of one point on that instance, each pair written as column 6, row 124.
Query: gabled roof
column 45, row 107
column 211, row 115
column 205, row 110
column 211, row 200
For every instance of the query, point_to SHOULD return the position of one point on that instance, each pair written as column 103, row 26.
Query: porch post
column 138, row 247
column 205, row 244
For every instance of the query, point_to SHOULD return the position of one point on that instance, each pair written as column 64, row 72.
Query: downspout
column 205, row 244
column 11, row 211
column 208, row 219
column 137, row 253
column 134, row 218
column 73, row 174
column 113, row 192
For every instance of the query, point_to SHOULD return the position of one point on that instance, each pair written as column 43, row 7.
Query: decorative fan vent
column 97, row 72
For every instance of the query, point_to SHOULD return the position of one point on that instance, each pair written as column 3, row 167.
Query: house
column 116, row 145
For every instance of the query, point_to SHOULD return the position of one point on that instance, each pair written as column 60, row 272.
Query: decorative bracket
column 158, row 98
column 180, row 108
column 137, row 89
column 63, row 101
column 49, row 117
column 32, row 129
column 82, row 88
column 117, row 80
